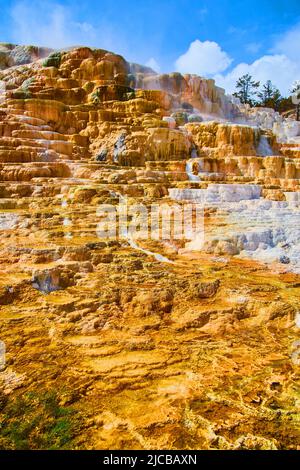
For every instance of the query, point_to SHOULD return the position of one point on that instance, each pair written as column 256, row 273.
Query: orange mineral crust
column 120, row 343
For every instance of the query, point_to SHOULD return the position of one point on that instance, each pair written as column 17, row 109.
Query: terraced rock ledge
column 108, row 346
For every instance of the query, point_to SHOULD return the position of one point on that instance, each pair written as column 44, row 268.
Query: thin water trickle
column 190, row 165
column 264, row 148
column 129, row 238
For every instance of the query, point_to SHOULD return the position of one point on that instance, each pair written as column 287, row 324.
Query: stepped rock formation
column 129, row 344
column 12, row 54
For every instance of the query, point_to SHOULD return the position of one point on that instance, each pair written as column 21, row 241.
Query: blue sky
column 220, row 39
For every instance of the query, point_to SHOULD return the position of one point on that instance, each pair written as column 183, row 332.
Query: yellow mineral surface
column 112, row 344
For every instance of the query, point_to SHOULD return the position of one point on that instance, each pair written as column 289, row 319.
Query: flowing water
column 190, row 165
column 129, row 237
column 264, row 148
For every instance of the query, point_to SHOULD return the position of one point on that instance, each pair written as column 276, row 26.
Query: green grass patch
column 36, row 421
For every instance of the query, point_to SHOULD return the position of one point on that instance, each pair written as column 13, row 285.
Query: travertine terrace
column 135, row 352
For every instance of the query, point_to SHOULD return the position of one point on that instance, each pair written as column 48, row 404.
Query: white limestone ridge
column 216, row 193
column 264, row 230
column 250, row 226
column 285, row 129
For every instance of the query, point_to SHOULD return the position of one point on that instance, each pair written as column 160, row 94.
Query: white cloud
column 153, row 64
column 281, row 65
column 289, row 44
column 253, row 47
column 48, row 24
column 203, row 58
column 281, row 70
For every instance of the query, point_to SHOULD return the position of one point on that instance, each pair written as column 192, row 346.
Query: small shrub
column 96, row 97
column 53, row 60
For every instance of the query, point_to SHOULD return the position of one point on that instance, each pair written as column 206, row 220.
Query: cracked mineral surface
column 121, row 343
